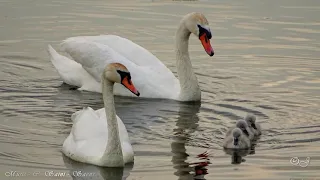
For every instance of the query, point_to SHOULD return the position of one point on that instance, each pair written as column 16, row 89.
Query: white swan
column 151, row 76
column 100, row 137
column 253, row 125
column 236, row 140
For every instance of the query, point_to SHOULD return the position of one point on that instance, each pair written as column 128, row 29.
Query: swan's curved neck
column 190, row 90
column 112, row 156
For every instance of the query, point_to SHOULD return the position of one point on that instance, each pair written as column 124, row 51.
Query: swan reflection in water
column 186, row 125
column 81, row 171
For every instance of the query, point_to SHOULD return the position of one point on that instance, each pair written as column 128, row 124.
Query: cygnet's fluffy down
column 236, row 140
column 242, row 124
column 253, row 125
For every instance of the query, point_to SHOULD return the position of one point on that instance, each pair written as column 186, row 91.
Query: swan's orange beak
column 129, row 85
column 206, row 44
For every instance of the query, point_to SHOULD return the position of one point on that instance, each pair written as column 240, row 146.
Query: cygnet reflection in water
column 186, row 125
column 254, row 143
column 237, row 155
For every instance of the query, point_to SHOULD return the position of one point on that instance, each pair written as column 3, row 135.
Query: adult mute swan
column 153, row 79
column 100, row 137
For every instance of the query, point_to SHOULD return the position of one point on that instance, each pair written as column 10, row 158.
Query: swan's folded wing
column 125, row 47
column 166, row 82
column 151, row 81
column 90, row 55
column 85, row 122
column 68, row 69
column 122, row 48
column 88, row 131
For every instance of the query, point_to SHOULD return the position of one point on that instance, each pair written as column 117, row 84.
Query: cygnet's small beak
column 245, row 132
column 129, row 85
column 206, row 44
column 254, row 126
column 235, row 141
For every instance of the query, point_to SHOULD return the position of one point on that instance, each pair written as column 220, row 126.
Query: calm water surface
column 267, row 63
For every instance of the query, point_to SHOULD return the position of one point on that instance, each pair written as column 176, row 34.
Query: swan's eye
column 205, row 31
column 124, row 74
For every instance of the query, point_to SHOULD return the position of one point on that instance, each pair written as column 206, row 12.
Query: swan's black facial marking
column 123, row 75
column 205, row 31
column 126, row 82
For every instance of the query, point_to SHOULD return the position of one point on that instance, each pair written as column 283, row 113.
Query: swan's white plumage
column 93, row 53
column 128, row 49
column 72, row 72
column 151, row 76
column 89, row 136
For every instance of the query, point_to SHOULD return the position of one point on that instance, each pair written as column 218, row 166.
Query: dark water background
column 267, row 63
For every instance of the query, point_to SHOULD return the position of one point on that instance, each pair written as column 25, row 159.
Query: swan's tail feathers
column 69, row 70
column 66, row 44
column 75, row 116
